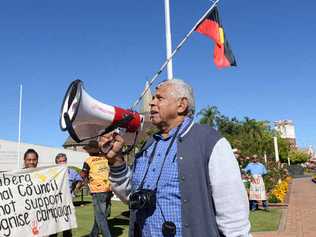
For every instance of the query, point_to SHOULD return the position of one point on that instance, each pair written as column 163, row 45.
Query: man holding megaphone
column 185, row 181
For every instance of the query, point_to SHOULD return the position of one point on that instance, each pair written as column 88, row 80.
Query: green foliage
column 298, row 156
column 250, row 136
column 209, row 115
column 275, row 173
column 273, row 199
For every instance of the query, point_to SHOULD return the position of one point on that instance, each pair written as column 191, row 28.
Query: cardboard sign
column 35, row 202
column 257, row 189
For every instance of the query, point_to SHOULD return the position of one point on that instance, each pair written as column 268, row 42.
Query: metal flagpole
column 19, row 138
column 151, row 81
column 168, row 39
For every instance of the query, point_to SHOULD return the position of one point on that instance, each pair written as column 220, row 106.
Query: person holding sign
column 74, row 182
column 30, row 159
column 185, row 180
column 257, row 190
column 96, row 171
column 74, row 179
column 35, row 201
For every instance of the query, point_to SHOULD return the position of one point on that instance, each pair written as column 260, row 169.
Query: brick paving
column 301, row 214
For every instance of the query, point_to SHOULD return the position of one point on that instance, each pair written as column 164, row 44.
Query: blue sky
column 115, row 46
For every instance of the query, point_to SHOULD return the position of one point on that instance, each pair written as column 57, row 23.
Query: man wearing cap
column 96, row 172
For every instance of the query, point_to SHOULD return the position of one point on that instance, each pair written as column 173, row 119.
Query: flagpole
column 168, row 39
column 276, row 149
column 19, row 138
column 151, row 81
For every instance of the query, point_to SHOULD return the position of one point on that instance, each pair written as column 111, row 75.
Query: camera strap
column 166, row 154
column 152, row 154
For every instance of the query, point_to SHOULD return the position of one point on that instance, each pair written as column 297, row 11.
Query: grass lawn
column 265, row 221
column 118, row 221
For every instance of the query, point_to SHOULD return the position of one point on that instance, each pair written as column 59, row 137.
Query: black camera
column 142, row 199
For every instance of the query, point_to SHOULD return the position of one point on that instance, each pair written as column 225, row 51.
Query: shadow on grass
column 79, row 203
column 115, row 225
column 125, row 214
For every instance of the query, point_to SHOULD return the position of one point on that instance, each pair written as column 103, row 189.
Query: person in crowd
column 74, row 182
column 96, row 172
column 257, row 188
column 74, row 178
column 30, row 159
column 185, row 181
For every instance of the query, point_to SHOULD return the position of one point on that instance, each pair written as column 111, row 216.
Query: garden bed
column 280, row 193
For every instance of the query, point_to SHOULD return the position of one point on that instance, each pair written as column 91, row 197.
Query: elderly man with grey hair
column 185, row 181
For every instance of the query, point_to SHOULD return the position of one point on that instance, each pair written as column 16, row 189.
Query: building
column 9, row 155
column 286, row 129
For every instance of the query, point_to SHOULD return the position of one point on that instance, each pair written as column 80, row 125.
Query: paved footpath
column 301, row 214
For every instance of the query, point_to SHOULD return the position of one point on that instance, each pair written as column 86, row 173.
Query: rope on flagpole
column 163, row 66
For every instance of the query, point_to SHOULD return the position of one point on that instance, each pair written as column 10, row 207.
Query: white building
column 9, row 155
column 286, row 129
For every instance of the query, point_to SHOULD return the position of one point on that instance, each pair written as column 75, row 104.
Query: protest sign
column 257, row 190
column 35, row 202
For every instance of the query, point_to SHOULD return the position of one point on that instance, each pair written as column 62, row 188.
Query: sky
column 115, row 46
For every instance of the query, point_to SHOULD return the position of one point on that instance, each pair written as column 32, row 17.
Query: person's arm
column 120, row 177
column 78, row 180
column 120, row 173
column 228, row 192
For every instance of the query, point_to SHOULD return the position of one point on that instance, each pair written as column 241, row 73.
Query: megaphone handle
column 107, row 147
column 118, row 124
column 130, row 148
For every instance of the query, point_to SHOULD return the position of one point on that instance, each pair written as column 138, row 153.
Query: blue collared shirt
column 73, row 177
column 168, row 202
column 256, row 168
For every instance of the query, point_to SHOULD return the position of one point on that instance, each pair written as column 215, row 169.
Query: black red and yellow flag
column 211, row 27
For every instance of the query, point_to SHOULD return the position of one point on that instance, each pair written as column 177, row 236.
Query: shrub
column 298, row 156
column 279, row 192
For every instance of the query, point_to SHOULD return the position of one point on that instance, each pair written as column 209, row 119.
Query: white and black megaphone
column 85, row 117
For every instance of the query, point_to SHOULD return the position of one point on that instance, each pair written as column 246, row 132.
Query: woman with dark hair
column 30, row 159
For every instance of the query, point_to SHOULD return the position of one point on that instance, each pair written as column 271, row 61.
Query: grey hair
column 181, row 90
column 60, row 155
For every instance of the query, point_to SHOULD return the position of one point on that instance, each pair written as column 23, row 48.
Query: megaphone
column 85, row 117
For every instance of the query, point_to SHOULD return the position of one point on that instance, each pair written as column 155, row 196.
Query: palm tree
column 209, row 115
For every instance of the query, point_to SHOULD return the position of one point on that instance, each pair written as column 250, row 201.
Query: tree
column 298, row 156
column 209, row 116
column 250, row 136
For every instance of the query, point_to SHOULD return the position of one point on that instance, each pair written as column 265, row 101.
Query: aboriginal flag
column 211, row 27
